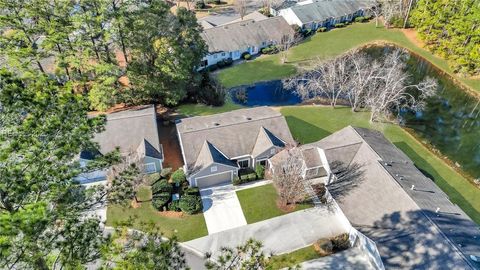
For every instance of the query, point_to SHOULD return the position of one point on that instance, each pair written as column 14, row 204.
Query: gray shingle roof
column 209, row 154
column 323, row 10
column 233, row 133
column 240, row 35
column 403, row 222
column 130, row 129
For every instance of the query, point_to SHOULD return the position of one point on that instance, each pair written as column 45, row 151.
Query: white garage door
column 216, row 179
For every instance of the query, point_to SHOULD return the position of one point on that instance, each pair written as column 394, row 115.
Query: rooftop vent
column 249, row 118
column 216, row 124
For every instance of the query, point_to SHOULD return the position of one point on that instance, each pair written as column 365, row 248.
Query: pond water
column 264, row 94
column 450, row 121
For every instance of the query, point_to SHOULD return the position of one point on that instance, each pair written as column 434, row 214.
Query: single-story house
column 411, row 220
column 135, row 133
column 231, row 40
column 313, row 14
column 216, row 147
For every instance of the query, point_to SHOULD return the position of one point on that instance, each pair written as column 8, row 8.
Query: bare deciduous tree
column 287, row 178
column 241, row 7
column 382, row 86
column 286, row 43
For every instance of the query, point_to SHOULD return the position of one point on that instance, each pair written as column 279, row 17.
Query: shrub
column 225, row 63
column 190, row 204
column 321, row 29
column 165, row 173
column 192, row 191
column 360, row 19
column 174, row 206
column 160, row 200
column 307, row 32
column 339, row 25
column 396, row 21
column 216, row 2
column 260, row 171
column 178, row 176
column 247, row 56
column 341, row 242
column 161, row 186
column 199, row 5
column 323, row 247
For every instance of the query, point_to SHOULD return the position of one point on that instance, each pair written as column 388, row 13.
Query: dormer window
column 272, row 151
column 213, row 169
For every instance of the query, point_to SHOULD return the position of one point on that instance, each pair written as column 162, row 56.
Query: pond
column 450, row 122
column 264, row 94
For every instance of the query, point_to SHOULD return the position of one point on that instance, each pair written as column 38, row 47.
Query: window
column 223, row 54
column 263, row 162
column 213, row 169
column 150, row 168
column 243, row 163
column 214, row 56
column 272, row 151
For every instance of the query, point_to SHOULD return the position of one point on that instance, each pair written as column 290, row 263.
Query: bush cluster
column 340, row 25
column 200, row 4
column 161, row 194
column 362, row 19
column 272, row 49
column 246, row 56
column 321, row 29
column 179, row 177
column 224, row 63
column 174, row 206
column 190, row 204
column 260, row 171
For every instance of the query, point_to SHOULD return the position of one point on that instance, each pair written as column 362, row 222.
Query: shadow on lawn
column 455, row 196
column 305, row 132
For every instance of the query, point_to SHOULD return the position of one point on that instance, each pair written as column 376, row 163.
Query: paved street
column 221, row 208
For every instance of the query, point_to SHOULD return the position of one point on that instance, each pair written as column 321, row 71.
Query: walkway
column 221, row 208
column 280, row 234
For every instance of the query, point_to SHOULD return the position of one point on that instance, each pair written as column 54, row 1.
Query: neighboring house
column 215, row 147
column 135, row 133
column 412, row 221
column 231, row 40
column 313, row 14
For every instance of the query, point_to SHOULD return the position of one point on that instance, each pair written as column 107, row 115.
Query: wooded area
column 451, row 29
column 95, row 45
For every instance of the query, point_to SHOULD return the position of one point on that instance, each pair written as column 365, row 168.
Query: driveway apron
column 221, row 208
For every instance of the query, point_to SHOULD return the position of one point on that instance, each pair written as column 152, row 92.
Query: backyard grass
column 260, row 203
column 293, row 258
column 187, row 227
column 309, row 124
column 324, row 46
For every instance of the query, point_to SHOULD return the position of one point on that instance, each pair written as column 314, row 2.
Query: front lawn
column 293, row 258
column 325, row 46
column 187, row 227
column 309, row 124
column 260, row 203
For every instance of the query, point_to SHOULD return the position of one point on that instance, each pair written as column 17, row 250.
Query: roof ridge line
column 220, row 126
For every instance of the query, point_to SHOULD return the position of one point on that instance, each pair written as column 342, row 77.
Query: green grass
column 324, row 46
column 201, row 109
column 309, row 124
column 293, row 258
column 188, row 227
column 260, row 203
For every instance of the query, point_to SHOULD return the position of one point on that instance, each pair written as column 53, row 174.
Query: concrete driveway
column 221, row 208
column 280, row 234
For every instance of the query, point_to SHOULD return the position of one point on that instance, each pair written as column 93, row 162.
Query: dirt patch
column 412, row 35
column 170, row 214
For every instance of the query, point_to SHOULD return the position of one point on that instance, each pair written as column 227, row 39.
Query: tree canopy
column 451, row 29
column 93, row 44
